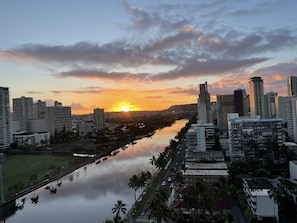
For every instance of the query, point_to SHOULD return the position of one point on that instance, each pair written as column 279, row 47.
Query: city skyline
column 143, row 55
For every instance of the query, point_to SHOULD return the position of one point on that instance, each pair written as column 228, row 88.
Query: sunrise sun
column 125, row 108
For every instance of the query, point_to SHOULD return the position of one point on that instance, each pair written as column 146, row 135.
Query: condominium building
column 257, row 97
column 200, row 137
column 253, row 138
column 291, row 114
column 5, row 120
column 99, row 119
column 280, row 106
column 270, row 104
column 241, row 102
column 39, row 110
column 58, row 118
column 22, row 111
column 225, row 105
column 292, row 86
column 204, row 111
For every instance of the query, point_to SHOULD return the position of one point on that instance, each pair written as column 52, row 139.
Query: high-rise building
column 225, row 105
column 204, row 111
column 252, row 138
column 257, row 97
column 241, row 103
column 292, row 118
column 270, row 104
column 58, row 119
column 39, row 110
column 292, row 86
column 280, row 105
column 22, row 111
column 5, row 123
column 99, row 119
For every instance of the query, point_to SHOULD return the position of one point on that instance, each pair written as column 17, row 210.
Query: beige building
column 58, row 118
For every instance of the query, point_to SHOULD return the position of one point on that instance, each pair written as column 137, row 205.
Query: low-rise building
column 258, row 196
column 32, row 139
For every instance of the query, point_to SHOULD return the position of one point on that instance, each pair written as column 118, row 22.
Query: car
column 163, row 183
column 169, row 179
column 171, row 185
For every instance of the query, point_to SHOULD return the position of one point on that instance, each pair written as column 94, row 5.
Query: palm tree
column 195, row 197
column 118, row 208
column 133, row 183
column 153, row 163
column 157, row 207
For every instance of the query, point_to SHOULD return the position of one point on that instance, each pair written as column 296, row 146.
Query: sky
column 143, row 55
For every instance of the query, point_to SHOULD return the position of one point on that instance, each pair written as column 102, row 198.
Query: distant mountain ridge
column 186, row 107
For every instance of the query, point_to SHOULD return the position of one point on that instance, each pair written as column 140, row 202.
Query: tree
column 118, row 208
column 133, row 184
column 157, row 206
column 194, row 197
column 153, row 163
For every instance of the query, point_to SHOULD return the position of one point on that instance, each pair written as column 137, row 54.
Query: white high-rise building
column 250, row 137
column 22, row 111
column 270, row 104
column 257, row 97
column 280, row 105
column 39, row 110
column 5, row 121
column 292, row 86
column 58, row 118
column 204, row 110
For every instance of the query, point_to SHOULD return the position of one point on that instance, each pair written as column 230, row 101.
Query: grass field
column 19, row 171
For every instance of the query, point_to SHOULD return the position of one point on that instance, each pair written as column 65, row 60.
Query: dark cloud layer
column 182, row 49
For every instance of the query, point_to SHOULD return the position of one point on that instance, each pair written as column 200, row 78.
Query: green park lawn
column 23, row 170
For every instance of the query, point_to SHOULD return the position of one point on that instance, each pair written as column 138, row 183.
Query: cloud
column 182, row 50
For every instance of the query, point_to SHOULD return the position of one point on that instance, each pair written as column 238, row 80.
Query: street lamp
column 2, row 157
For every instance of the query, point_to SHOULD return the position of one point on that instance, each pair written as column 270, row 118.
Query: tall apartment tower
column 204, row 113
column 225, row 105
column 241, row 102
column 270, row 104
column 257, row 97
column 292, row 117
column 292, row 86
column 58, row 118
column 22, row 111
column 99, row 119
column 39, row 110
column 5, row 124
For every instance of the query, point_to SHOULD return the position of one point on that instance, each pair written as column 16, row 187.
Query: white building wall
column 58, row 118
column 266, row 207
column 201, row 144
column 293, row 169
column 280, row 105
column 38, row 125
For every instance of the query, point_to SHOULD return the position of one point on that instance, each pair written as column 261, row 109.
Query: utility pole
column 2, row 157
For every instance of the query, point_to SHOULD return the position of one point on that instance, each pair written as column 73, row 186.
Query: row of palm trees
column 157, row 207
column 139, row 181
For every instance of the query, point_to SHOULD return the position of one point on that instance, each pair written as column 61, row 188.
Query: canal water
column 89, row 193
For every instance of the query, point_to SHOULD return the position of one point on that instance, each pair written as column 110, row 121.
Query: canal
column 88, row 194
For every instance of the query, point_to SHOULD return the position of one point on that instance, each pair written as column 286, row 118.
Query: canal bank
column 89, row 193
